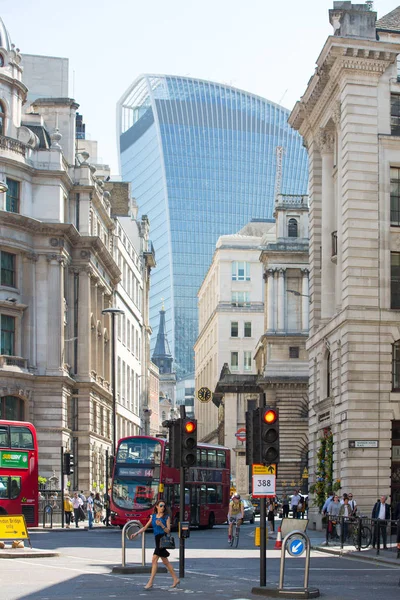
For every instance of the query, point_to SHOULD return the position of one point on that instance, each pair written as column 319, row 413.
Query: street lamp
column 113, row 312
column 3, row 187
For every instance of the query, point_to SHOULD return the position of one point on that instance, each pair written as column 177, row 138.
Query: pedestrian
column 161, row 523
column 271, row 513
column 327, row 503
column 295, row 504
column 352, row 504
column 68, row 509
column 346, row 513
column 98, row 508
column 90, row 509
column 77, row 506
column 107, row 506
column 381, row 514
column 333, row 518
column 285, row 506
column 83, row 498
column 301, row 508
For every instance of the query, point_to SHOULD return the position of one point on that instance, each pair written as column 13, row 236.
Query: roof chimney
column 353, row 20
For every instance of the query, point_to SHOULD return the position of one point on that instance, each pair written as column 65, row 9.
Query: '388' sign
column 264, row 485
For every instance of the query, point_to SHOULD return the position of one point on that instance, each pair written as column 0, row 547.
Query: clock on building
column 204, row 394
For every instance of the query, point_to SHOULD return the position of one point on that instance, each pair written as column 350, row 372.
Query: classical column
column 100, row 356
column 270, row 300
column 336, row 118
column 281, row 300
column 276, row 300
column 93, row 304
column 304, row 301
column 84, row 337
column 29, row 261
column 325, row 140
column 55, row 314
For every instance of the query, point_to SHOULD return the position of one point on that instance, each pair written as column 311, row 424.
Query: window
column 294, row 352
column 234, row 329
column 234, row 361
column 293, row 228
column 396, row 366
column 12, row 409
column 328, row 375
column 247, row 360
column 7, row 276
column 395, row 114
column 7, row 335
column 240, row 298
column 395, row 197
column 20, row 437
column 240, row 271
column 247, row 329
column 395, row 280
column 12, row 195
column 2, row 112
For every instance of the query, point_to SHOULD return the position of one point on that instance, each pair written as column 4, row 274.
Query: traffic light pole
column 181, row 519
column 62, row 487
column 263, row 527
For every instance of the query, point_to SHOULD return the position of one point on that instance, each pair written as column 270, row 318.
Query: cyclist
column 235, row 514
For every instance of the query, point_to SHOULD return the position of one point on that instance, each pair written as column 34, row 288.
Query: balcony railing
column 334, row 243
column 13, row 361
column 7, row 143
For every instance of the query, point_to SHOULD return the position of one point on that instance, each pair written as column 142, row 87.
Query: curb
column 8, row 553
column 75, row 529
column 359, row 555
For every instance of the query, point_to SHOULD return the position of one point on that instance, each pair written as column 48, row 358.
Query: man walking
column 77, row 504
column 295, row 504
column 90, row 509
column 106, row 500
column 381, row 514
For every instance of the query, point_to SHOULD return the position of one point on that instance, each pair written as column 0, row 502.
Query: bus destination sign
column 13, row 460
column 135, row 472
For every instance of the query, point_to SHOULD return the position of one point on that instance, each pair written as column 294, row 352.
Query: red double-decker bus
column 19, row 471
column 142, row 476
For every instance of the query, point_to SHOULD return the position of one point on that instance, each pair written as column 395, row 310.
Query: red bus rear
column 19, row 471
column 142, row 476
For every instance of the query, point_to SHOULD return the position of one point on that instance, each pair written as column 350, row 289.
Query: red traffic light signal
column 269, row 416
column 190, row 426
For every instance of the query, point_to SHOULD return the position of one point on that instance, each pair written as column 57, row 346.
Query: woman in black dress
column 161, row 523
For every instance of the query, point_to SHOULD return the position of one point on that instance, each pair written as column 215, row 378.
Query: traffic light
column 68, row 463
column 249, row 437
column 269, row 438
column 188, row 442
column 174, row 443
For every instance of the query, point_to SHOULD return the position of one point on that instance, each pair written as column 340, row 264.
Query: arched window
column 293, row 228
column 396, row 366
column 12, row 408
column 2, row 118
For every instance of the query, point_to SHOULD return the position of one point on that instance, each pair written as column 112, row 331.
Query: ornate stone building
column 59, row 238
column 349, row 118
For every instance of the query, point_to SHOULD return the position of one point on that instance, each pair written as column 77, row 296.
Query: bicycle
column 366, row 534
column 234, row 541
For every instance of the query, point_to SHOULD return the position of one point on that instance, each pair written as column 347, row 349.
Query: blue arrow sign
column 296, row 547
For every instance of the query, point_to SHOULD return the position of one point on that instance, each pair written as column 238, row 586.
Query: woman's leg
column 153, row 571
column 68, row 518
column 171, row 571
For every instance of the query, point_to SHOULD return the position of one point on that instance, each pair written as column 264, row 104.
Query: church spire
column 162, row 356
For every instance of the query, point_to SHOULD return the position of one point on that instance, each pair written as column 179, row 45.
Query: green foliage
column 324, row 470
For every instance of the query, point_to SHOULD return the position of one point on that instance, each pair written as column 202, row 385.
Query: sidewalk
column 82, row 527
column 318, row 542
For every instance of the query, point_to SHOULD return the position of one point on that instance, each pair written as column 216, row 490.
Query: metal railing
column 7, row 143
column 13, row 361
column 363, row 532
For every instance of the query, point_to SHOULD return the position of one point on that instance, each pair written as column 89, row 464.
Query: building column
column 270, row 300
column 93, row 304
column 29, row 261
column 276, row 299
column 100, row 357
column 305, row 301
column 326, row 140
column 281, row 300
column 84, row 330
column 336, row 118
column 55, row 330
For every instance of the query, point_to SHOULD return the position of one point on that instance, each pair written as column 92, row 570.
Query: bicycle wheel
column 237, row 536
column 366, row 536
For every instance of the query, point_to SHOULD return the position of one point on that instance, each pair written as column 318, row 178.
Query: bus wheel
column 3, row 512
column 211, row 521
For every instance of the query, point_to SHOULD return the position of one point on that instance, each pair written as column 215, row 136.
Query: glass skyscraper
column 201, row 157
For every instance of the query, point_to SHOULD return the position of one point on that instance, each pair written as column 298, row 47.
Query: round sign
column 131, row 529
column 296, row 545
column 241, row 434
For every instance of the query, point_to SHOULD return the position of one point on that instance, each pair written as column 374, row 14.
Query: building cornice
column 339, row 55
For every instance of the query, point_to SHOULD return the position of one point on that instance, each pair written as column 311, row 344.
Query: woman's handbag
column 168, row 542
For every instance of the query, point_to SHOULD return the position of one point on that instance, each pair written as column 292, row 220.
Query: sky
column 266, row 47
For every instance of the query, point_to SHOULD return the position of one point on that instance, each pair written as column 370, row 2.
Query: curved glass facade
column 201, row 157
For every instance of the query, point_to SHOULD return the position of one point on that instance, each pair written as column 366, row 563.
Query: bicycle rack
column 47, row 510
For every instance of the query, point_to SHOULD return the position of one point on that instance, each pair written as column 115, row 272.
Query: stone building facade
column 281, row 356
column 59, row 270
column 349, row 119
column 231, row 317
